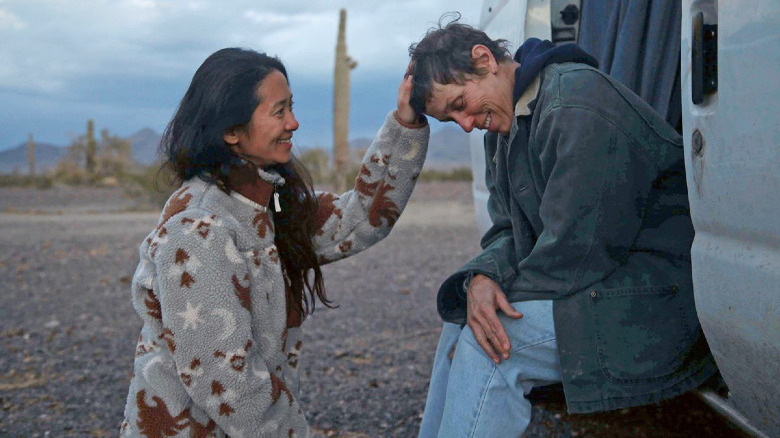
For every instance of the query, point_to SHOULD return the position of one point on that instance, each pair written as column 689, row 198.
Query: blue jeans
column 470, row 396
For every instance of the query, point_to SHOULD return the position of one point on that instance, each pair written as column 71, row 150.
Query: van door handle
column 704, row 59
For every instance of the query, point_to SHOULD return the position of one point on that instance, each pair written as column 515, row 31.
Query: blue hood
column 535, row 54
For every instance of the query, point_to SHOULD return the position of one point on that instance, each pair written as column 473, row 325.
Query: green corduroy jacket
column 589, row 205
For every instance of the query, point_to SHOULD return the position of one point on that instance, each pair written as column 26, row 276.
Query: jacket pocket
column 641, row 332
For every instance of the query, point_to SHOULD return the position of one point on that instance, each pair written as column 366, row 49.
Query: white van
column 713, row 69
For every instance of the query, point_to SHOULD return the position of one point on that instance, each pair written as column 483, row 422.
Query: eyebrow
column 447, row 108
column 435, row 114
column 282, row 102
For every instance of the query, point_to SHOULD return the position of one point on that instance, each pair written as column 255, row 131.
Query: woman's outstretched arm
column 351, row 222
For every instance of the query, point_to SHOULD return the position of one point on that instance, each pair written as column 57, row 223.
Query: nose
column 465, row 122
column 291, row 124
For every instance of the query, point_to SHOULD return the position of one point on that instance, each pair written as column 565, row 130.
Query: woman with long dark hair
column 233, row 265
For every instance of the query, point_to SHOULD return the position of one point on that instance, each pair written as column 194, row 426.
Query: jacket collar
column 522, row 106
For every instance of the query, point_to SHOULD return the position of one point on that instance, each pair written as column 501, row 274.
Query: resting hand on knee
column 483, row 297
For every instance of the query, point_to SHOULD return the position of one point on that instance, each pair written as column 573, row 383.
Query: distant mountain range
column 14, row 160
column 145, row 144
column 448, row 148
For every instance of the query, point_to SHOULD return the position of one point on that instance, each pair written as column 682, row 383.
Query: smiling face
column 482, row 102
column 267, row 138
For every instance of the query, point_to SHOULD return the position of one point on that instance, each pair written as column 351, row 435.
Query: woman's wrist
column 417, row 124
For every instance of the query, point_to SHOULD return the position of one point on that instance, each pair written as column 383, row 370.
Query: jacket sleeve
column 207, row 326
column 496, row 261
column 353, row 221
column 596, row 183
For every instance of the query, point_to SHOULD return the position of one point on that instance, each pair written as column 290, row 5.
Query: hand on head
column 405, row 112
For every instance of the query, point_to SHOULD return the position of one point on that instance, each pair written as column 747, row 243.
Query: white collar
column 530, row 93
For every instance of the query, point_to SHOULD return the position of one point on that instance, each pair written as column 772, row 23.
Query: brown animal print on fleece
column 176, row 204
column 263, row 223
column 156, row 421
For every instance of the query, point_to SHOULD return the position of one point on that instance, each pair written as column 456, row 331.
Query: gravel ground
column 68, row 331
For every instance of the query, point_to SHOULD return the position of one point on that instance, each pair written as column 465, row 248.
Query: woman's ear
column 483, row 60
column 231, row 136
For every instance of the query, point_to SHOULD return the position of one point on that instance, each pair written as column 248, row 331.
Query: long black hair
column 222, row 95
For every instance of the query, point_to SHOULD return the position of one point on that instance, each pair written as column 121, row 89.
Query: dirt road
column 68, row 331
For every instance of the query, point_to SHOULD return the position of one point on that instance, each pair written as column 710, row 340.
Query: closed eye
column 459, row 104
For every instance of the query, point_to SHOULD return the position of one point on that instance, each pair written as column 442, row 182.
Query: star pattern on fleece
column 191, row 316
column 232, row 254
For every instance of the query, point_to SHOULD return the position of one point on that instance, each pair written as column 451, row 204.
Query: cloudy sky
column 126, row 63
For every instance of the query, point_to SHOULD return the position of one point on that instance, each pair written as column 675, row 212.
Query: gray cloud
column 108, row 55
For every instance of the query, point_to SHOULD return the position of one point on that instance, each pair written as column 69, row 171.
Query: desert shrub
column 43, row 181
column 153, row 182
column 455, row 174
column 320, row 166
column 114, row 159
column 317, row 162
column 68, row 171
column 108, row 162
column 351, row 172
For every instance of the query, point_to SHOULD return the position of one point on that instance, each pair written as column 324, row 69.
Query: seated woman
column 233, row 265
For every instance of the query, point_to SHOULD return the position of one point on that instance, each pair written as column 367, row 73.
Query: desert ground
column 68, row 330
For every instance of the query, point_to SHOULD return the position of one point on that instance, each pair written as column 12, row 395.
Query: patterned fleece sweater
column 216, row 355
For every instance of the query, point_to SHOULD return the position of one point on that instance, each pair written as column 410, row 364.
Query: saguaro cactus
column 31, row 154
column 344, row 63
column 91, row 151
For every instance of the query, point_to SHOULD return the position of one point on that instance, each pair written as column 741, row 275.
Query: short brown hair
column 443, row 56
